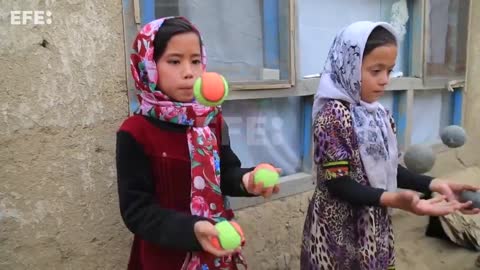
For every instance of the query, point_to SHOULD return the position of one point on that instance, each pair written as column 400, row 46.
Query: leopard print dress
column 338, row 235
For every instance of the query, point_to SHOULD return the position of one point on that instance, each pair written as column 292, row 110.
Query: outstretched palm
column 452, row 191
column 436, row 206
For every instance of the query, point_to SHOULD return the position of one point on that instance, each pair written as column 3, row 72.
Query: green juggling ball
column 267, row 174
column 230, row 235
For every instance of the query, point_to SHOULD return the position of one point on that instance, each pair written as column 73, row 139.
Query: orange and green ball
column 267, row 174
column 210, row 89
column 230, row 235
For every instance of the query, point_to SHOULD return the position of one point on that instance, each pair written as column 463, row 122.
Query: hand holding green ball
column 230, row 235
column 266, row 174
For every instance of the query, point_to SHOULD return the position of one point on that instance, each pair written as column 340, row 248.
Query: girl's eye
column 196, row 62
column 174, row 62
column 390, row 71
column 375, row 71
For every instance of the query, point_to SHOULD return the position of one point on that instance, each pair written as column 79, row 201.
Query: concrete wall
column 61, row 104
column 60, row 107
column 469, row 153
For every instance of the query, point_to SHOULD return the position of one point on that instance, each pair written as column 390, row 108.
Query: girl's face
column 376, row 69
column 179, row 67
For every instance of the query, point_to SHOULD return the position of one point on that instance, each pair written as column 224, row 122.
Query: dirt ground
column 417, row 252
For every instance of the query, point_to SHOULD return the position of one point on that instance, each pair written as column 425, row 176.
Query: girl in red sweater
column 174, row 161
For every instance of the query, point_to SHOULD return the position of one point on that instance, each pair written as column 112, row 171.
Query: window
column 428, row 124
column 277, row 131
column 446, row 37
column 248, row 41
column 319, row 22
column 432, row 52
column 269, row 131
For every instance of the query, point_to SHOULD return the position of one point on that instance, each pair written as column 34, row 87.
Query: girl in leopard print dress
column 348, row 224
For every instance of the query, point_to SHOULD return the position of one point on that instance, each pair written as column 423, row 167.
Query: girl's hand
column 438, row 206
column 258, row 189
column 452, row 191
column 205, row 231
column 411, row 202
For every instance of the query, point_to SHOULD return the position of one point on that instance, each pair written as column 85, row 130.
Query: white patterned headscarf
column 341, row 80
